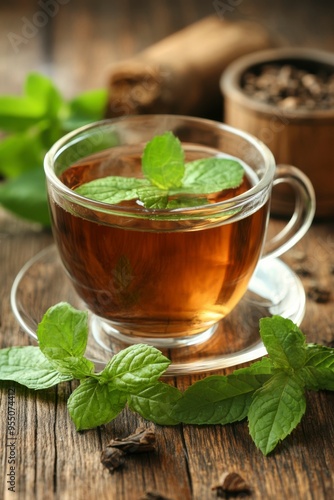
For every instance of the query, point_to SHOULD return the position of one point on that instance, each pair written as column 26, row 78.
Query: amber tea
column 150, row 278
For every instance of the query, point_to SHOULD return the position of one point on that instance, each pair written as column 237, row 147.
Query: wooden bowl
column 300, row 137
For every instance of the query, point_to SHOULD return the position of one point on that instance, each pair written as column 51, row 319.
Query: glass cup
column 165, row 277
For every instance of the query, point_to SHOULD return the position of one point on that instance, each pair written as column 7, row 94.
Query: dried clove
column 231, row 484
column 114, row 455
column 112, row 458
column 319, row 295
column 142, row 440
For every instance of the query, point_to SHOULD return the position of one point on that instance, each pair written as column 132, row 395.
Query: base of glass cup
column 104, row 334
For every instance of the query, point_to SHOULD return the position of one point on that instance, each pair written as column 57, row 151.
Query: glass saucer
column 274, row 289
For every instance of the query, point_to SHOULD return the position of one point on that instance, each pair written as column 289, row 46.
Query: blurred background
column 73, row 41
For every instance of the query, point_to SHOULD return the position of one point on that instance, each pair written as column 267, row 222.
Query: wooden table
column 52, row 460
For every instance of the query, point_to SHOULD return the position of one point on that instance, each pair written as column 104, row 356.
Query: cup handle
column 302, row 216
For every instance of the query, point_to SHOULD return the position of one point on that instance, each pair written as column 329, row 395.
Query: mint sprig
column 270, row 393
column 168, row 181
column 30, row 124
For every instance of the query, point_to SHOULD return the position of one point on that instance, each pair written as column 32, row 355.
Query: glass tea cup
column 165, row 277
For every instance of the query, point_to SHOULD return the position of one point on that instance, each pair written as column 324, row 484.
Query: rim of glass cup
column 205, row 210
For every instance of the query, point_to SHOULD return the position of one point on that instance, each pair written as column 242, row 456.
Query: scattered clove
column 231, row 484
column 114, row 455
column 112, row 458
column 319, row 295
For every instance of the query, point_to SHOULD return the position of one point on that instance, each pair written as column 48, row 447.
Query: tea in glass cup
column 165, row 276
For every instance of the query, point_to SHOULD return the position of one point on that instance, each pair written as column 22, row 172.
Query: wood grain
column 55, row 462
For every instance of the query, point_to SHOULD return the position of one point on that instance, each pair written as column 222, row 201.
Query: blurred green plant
column 30, row 124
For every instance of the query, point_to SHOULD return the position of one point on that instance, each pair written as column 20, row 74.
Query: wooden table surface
column 52, row 460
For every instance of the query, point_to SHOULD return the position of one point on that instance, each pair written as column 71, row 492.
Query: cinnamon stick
column 181, row 73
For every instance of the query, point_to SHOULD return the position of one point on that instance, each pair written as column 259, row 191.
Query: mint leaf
column 42, row 89
column 276, row 410
column 284, row 341
column 28, row 366
column 163, row 161
column 38, row 119
column 319, row 356
column 93, row 404
column 156, row 403
column 169, row 182
column 317, row 379
column 318, row 372
column 21, row 152
column 263, row 367
column 112, row 189
column 153, row 197
column 85, row 108
column 210, row 175
column 62, row 336
column 26, row 196
column 134, row 368
column 17, row 113
column 218, row 399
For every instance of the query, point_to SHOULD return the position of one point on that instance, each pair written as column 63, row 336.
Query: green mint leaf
column 134, row 368
column 218, row 399
column 284, row 341
column 186, row 202
column 210, row 175
column 112, row 189
column 62, row 336
column 152, row 197
column 26, row 196
column 276, row 409
column 93, row 404
column 41, row 100
column 28, row 366
column 163, row 161
column 263, row 367
column 42, row 89
column 318, row 372
column 20, row 153
column 19, row 113
column 156, row 403
column 317, row 379
column 85, row 108
column 319, row 356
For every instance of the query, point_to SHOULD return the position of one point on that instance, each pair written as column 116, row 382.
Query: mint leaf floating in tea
column 113, row 189
column 163, row 161
column 211, row 175
column 169, row 182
